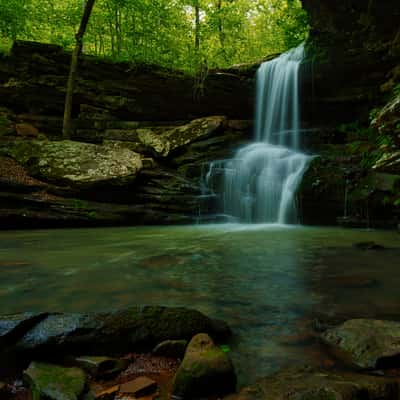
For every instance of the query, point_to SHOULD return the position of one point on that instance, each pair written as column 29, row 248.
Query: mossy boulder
column 205, row 370
column 75, row 163
column 367, row 343
column 307, row 383
column 131, row 329
column 52, row 382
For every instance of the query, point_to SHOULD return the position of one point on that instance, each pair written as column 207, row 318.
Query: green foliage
column 357, row 131
column 162, row 31
column 225, row 348
column 366, row 142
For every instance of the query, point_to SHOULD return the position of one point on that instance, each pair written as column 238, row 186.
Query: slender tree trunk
column 221, row 32
column 197, row 26
column 67, row 125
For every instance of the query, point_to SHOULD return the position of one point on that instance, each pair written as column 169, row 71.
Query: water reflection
column 267, row 282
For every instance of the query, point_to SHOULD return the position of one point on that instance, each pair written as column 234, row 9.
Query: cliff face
column 143, row 136
column 350, row 73
column 352, row 47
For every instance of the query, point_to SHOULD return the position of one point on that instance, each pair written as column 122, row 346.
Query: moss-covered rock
column 52, row 382
column 310, row 384
column 75, row 163
column 205, row 370
column 131, row 329
column 367, row 343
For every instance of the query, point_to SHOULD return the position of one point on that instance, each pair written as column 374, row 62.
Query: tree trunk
column 67, row 125
column 197, row 26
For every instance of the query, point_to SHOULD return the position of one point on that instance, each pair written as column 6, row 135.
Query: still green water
column 267, row 282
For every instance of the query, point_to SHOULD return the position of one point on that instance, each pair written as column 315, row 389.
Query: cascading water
column 260, row 183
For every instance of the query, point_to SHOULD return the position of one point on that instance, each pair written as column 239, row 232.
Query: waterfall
column 260, row 183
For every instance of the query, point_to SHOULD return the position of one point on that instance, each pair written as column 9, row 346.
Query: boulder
column 76, row 163
column 173, row 138
column 367, row 343
column 205, row 370
column 26, row 130
column 309, row 384
column 171, row 348
column 132, row 329
column 52, row 382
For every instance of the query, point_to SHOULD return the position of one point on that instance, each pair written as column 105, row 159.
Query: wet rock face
column 310, row 384
column 352, row 47
column 351, row 19
column 367, row 343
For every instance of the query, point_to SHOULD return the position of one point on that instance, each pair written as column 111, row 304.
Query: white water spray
column 260, row 183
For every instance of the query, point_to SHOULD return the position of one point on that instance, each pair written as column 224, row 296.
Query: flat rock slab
column 164, row 141
column 367, row 343
column 309, row 384
column 52, row 382
column 139, row 387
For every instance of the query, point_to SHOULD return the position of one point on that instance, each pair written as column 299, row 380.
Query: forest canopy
column 174, row 33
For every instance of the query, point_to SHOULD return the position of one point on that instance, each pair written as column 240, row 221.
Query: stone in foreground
column 308, row 384
column 171, row 348
column 205, row 370
column 141, row 386
column 52, row 382
column 99, row 366
column 367, row 343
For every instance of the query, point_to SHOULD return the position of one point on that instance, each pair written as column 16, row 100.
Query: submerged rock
column 205, row 370
column 367, row 343
column 52, row 382
column 308, row 384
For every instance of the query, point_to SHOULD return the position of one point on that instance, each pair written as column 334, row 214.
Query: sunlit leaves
column 162, row 31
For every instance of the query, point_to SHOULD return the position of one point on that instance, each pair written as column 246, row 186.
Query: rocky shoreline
column 158, row 352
